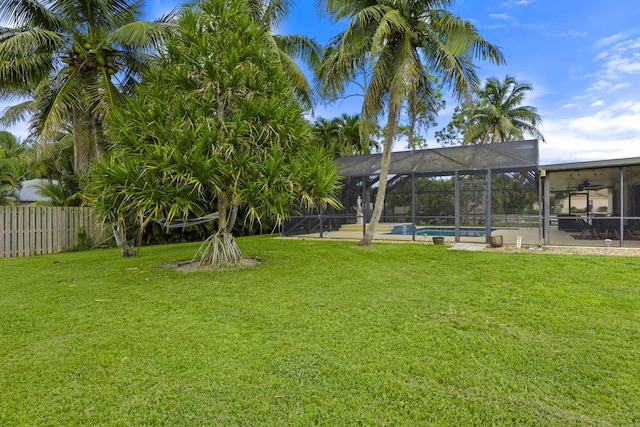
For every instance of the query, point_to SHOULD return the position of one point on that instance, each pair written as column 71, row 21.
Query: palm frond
column 53, row 101
column 141, row 35
column 298, row 79
column 17, row 113
column 297, row 46
column 20, row 13
column 26, row 58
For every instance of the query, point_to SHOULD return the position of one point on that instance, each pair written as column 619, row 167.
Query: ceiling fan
column 586, row 185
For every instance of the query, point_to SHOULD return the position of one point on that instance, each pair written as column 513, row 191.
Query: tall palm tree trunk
column 99, row 143
column 81, row 144
column 382, row 183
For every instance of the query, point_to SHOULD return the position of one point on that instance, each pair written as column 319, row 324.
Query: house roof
column 592, row 164
column 28, row 192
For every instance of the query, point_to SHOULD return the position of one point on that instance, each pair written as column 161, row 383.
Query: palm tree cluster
column 268, row 15
column 342, row 136
column 204, row 108
column 73, row 61
column 23, row 160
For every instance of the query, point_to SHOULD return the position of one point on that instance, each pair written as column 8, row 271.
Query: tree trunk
column 223, row 207
column 232, row 219
column 99, row 143
column 222, row 251
column 89, row 143
column 382, row 183
column 221, row 248
column 120, row 234
column 81, row 143
column 413, row 114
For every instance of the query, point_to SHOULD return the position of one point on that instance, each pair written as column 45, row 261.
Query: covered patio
column 592, row 202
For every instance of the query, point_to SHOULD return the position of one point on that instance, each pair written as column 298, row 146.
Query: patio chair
column 607, row 227
column 632, row 229
column 586, row 228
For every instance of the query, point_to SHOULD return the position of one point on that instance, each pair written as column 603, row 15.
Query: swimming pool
column 406, row 230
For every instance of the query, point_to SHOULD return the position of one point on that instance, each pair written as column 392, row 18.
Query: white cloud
column 610, row 40
column 516, row 3
column 621, row 86
column 611, row 133
column 20, row 131
column 597, row 103
column 631, row 44
column 617, row 65
column 600, row 85
column 577, row 33
column 504, row 16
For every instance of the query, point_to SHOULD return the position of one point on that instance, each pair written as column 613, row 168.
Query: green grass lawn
column 321, row 333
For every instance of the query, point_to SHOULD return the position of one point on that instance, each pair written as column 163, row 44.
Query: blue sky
column 581, row 56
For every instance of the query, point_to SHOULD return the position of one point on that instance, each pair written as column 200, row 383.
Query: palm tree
column 500, row 115
column 342, row 135
column 400, row 39
column 73, row 61
column 326, row 133
column 8, row 193
column 354, row 141
column 9, row 169
column 268, row 14
column 423, row 105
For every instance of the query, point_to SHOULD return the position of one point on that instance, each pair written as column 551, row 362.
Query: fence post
column 2, row 231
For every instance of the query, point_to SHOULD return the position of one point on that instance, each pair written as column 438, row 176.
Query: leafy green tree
column 400, row 39
column 16, row 165
column 513, row 192
column 8, row 180
column 454, row 132
column 326, row 132
column 73, row 61
column 499, row 115
column 10, row 145
column 217, row 127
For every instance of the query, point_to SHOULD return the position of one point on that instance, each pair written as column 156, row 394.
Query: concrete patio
column 530, row 237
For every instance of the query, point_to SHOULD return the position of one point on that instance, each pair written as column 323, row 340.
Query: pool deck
column 530, row 237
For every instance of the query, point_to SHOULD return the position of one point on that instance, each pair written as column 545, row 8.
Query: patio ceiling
column 585, row 176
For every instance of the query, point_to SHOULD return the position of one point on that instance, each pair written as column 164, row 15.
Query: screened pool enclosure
column 464, row 193
column 470, row 193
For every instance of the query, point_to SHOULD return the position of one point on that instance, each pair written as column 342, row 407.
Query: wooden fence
column 34, row 230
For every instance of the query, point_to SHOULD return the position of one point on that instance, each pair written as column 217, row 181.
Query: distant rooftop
column 28, row 193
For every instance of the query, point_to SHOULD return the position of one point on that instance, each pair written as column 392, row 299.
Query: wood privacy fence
column 34, row 230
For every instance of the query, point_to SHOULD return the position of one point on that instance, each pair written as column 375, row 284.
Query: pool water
column 406, row 230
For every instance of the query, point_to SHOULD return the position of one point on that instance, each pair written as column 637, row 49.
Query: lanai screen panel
column 503, row 156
